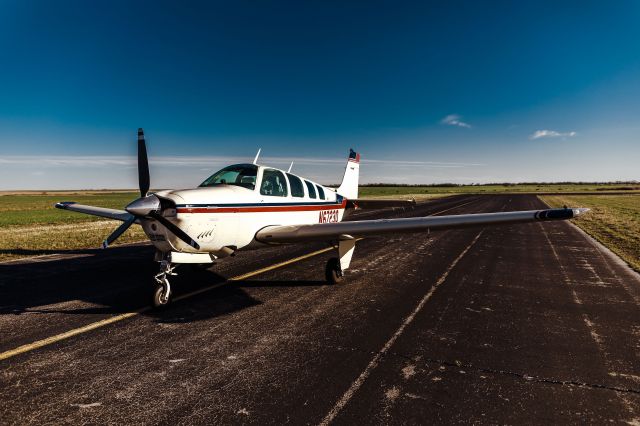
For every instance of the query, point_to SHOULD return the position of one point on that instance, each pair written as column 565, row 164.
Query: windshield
column 240, row 174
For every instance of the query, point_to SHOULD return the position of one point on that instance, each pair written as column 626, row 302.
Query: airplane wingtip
column 580, row 211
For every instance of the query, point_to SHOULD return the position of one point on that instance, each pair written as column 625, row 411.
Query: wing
column 380, row 204
column 95, row 211
column 346, row 230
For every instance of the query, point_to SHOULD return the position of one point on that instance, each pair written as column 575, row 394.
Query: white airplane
column 250, row 206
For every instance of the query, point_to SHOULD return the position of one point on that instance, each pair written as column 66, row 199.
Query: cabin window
column 273, row 183
column 297, row 190
column 240, row 175
column 320, row 192
column 311, row 189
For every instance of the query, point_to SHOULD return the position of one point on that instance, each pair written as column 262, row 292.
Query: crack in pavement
column 470, row 366
column 527, row 377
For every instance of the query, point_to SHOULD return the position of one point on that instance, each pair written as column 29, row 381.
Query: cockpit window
column 273, row 183
column 240, row 174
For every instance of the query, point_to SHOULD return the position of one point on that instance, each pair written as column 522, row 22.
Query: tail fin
column 349, row 186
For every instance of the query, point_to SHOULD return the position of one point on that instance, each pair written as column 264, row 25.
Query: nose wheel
column 162, row 293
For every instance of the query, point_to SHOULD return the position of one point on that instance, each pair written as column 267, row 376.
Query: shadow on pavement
column 120, row 280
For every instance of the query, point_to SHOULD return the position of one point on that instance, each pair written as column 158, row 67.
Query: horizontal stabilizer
column 95, row 211
column 333, row 231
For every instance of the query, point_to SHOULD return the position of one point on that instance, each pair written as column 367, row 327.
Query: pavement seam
column 536, row 379
column 527, row 377
column 470, row 366
column 346, row 397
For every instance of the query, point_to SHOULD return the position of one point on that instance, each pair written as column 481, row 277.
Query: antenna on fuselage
column 255, row 160
column 290, row 166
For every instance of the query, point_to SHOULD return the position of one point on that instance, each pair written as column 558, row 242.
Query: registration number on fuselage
column 328, row 216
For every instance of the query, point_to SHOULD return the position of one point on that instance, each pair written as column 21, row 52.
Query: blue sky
column 428, row 92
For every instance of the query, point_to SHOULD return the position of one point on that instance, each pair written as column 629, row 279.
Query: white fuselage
column 224, row 218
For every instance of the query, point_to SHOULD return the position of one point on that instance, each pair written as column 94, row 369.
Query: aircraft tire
column 158, row 300
column 333, row 272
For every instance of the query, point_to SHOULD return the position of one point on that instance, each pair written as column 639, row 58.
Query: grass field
column 30, row 225
column 614, row 220
column 37, row 209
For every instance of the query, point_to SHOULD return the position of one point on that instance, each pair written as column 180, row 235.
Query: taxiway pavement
column 531, row 323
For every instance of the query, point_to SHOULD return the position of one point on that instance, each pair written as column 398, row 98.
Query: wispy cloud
column 539, row 134
column 76, row 172
column 454, row 120
column 206, row 163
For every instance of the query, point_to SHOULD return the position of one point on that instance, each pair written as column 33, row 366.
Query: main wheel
column 160, row 297
column 333, row 271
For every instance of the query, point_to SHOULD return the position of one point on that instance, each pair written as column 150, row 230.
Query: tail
column 349, row 186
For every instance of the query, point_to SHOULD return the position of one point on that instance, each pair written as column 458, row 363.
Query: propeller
column 143, row 165
column 119, row 231
column 147, row 206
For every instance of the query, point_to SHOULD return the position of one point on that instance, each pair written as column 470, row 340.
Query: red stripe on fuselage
column 260, row 209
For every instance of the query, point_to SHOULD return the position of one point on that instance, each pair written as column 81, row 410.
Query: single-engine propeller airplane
column 249, row 206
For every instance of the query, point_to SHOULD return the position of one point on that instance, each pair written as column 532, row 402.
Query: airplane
column 251, row 206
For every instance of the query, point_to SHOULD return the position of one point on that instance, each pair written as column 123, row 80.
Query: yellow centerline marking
column 251, row 274
column 102, row 323
column 454, row 207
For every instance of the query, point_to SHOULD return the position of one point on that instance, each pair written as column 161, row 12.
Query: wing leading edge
column 95, row 211
column 337, row 231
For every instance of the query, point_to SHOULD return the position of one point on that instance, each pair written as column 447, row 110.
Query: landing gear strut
column 163, row 289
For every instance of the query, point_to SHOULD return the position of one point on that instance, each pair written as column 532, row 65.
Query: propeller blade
column 119, row 230
column 143, row 165
column 175, row 230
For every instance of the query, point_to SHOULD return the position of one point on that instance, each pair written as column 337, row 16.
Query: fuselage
column 223, row 215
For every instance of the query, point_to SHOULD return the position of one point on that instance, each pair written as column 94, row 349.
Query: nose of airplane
column 143, row 206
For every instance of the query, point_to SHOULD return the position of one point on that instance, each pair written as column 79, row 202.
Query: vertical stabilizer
column 349, row 186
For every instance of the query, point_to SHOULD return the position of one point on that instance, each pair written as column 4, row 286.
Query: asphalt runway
column 519, row 324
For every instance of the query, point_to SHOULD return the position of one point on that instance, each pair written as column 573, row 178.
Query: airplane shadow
column 120, row 280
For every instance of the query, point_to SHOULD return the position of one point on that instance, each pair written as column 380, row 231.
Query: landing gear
column 163, row 289
column 333, row 271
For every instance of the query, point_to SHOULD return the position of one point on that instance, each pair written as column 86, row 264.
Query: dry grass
column 614, row 220
column 30, row 225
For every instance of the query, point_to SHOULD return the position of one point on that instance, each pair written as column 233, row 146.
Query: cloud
column 42, row 172
column 204, row 163
column 454, row 120
column 538, row 134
